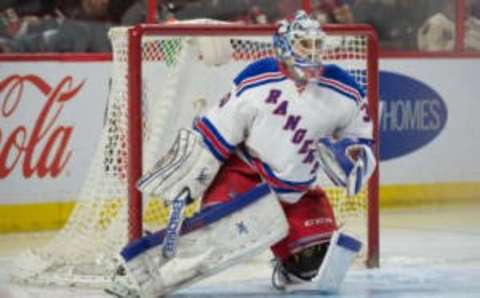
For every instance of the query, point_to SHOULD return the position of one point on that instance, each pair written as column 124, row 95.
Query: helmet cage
column 300, row 42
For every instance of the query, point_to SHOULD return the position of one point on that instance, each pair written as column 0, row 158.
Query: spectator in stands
column 137, row 12
column 257, row 15
column 16, row 15
column 438, row 32
column 325, row 11
column 86, row 10
column 29, row 7
column 258, row 11
column 243, row 11
column 396, row 21
column 81, row 27
column 472, row 25
column 333, row 11
column 213, row 9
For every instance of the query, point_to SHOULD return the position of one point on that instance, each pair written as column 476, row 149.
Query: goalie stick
column 172, row 231
column 169, row 241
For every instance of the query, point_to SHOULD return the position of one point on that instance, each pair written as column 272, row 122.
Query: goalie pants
column 311, row 220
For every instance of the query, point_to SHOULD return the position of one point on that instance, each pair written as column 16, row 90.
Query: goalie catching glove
column 347, row 162
column 188, row 165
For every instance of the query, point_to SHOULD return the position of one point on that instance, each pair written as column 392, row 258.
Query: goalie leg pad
column 243, row 230
column 341, row 253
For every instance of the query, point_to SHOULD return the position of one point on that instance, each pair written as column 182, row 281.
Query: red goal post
column 135, row 122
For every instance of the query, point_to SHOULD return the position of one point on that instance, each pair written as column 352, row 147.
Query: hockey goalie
column 252, row 160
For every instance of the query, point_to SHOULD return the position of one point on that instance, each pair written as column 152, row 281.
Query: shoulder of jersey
column 340, row 81
column 258, row 73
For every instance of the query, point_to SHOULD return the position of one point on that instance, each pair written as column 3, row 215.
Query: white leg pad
column 209, row 250
column 341, row 253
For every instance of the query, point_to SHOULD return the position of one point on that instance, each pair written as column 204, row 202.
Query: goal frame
column 134, row 69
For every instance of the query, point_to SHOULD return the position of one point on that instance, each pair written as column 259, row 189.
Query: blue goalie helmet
column 300, row 43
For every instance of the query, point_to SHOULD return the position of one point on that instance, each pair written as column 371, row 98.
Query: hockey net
column 162, row 78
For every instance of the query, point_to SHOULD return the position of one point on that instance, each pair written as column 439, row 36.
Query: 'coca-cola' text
column 41, row 150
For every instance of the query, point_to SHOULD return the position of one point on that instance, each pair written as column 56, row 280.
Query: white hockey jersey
column 272, row 125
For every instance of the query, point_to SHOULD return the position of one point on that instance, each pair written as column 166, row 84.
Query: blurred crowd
column 82, row 25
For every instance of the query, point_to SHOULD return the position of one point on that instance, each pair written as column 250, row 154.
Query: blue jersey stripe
column 258, row 83
column 338, row 90
column 257, row 68
column 334, row 72
column 217, row 134
column 212, row 149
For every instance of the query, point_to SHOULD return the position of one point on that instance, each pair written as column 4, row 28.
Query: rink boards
column 52, row 113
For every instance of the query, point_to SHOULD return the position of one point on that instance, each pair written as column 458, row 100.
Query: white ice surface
column 432, row 252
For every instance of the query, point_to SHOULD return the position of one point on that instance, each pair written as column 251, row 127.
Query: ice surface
column 425, row 252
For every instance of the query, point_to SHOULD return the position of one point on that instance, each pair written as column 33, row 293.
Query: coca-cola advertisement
column 50, row 120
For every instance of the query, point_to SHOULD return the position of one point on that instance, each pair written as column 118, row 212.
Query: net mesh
column 176, row 86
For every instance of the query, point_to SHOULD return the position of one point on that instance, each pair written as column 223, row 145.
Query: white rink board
column 450, row 157
column 76, row 121
column 453, row 155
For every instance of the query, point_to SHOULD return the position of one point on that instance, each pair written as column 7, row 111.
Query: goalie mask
column 300, row 44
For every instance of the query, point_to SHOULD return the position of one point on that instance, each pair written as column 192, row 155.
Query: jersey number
column 365, row 112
